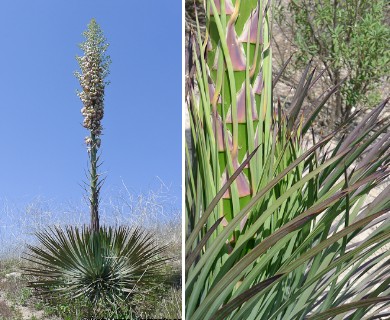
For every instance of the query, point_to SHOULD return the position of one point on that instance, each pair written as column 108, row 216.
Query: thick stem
column 94, row 196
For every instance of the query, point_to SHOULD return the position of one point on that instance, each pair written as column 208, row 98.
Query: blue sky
column 41, row 137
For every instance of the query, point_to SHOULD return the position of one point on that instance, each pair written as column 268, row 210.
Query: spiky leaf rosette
column 107, row 266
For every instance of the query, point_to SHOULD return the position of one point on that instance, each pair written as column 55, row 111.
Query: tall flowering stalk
column 94, row 65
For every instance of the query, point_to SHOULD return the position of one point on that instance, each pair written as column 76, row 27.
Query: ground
column 16, row 300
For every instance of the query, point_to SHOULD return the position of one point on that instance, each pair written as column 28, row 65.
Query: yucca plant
column 106, row 265
column 276, row 230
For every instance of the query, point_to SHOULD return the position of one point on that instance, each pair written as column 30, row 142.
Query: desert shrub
column 349, row 39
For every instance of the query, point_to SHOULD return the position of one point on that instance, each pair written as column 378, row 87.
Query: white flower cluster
column 92, row 96
column 94, row 68
column 88, row 141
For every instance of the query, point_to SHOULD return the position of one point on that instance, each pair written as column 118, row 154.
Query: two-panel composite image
column 203, row 159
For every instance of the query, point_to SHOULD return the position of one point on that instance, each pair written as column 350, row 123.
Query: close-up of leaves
column 280, row 223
